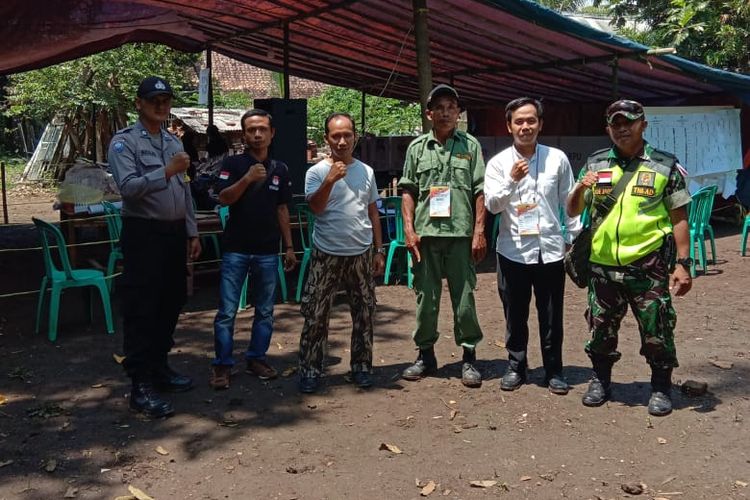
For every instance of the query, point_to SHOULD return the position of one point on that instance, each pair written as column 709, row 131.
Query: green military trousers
column 450, row 258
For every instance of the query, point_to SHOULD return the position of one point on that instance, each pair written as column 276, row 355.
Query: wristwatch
column 685, row 262
column 380, row 250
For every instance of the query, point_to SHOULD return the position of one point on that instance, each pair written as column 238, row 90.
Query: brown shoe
column 261, row 369
column 219, row 379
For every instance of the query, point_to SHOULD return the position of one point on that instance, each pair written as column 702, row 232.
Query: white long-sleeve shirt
column 547, row 184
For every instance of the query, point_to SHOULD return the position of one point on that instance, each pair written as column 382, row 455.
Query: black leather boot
column 470, row 376
column 144, row 399
column 600, row 387
column 168, row 380
column 426, row 364
column 660, row 403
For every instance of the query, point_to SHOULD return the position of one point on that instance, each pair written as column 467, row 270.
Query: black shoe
column 362, row 379
column 167, row 380
column 598, row 393
column 660, row 404
column 470, row 376
column 558, row 385
column 144, row 399
column 426, row 364
column 308, row 385
column 512, row 380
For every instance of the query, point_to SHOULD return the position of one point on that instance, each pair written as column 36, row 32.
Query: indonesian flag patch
column 681, row 170
column 224, row 175
column 604, row 178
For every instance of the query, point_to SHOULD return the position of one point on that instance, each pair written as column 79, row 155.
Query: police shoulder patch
column 118, row 146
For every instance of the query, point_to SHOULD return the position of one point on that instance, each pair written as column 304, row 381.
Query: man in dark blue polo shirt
column 257, row 190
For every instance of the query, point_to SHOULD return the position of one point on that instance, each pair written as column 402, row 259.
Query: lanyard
column 443, row 165
column 517, row 156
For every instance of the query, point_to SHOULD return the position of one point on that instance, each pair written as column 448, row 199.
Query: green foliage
column 107, row 80
column 564, row 5
column 384, row 116
column 714, row 32
column 14, row 166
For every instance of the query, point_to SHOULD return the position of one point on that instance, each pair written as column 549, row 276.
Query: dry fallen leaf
column 724, row 365
column 97, row 386
column 161, row 451
column 453, row 414
column 661, row 440
column 71, row 492
column 428, row 489
column 500, row 344
column 482, row 484
column 51, row 465
column 140, row 495
column 288, row 372
column 390, row 447
column 281, row 347
column 126, row 497
column 741, row 483
column 118, row 359
column 525, row 478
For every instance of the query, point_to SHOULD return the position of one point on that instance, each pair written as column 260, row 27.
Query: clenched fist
column 337, row 171
column 256, row 173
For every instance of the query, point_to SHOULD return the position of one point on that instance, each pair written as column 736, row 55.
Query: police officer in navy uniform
column 159, row 233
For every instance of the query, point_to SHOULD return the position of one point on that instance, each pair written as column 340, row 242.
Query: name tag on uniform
column 528, row 219
column 644, row 184
column 440, row 201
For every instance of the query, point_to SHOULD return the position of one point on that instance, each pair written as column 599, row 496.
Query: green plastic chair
column 305, row 219
column 392, row 206
column 223, row 217
column 114, row 228
column 745, row 227
column 699, row 215
column 67, row 277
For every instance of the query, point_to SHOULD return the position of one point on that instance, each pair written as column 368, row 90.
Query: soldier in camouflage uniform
column 632, row 252
column 347, row 251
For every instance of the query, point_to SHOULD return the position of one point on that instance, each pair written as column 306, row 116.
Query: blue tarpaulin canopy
column 491, row 50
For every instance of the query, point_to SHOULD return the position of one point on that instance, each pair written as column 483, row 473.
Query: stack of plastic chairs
column 114, row 229
column 67, row 277
column 699, row 215
column 394, row 218
column 305, row 219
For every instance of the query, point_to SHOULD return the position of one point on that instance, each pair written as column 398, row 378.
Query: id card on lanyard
column 529, row 212
column 440, row 195
column 440, row 201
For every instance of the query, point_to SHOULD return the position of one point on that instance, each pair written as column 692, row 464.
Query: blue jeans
column 234, row 269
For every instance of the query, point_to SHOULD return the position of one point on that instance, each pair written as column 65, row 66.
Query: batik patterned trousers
column 328, row 274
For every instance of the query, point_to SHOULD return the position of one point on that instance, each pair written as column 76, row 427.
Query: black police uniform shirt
column 253, row 226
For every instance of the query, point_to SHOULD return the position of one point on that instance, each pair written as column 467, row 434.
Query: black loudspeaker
column 290, row 141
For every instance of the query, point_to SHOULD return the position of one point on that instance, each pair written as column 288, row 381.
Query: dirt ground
column 66, row 432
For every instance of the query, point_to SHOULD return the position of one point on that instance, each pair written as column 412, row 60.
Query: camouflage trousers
column 644, row 286
column 327, row 274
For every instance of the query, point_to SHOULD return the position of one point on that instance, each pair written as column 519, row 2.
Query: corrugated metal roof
column 227, row 120
column 491, row 50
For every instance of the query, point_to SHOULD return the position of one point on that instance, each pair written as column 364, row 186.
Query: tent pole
column 615, row 79
column 287, row 90
column 424, row 67
column 209, row 66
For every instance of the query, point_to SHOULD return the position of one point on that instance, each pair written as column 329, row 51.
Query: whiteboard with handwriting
column 705, row 139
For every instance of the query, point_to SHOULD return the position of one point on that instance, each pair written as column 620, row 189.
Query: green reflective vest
column 639, row 220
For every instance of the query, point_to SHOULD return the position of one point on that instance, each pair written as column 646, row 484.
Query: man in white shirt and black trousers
column 527, row 184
